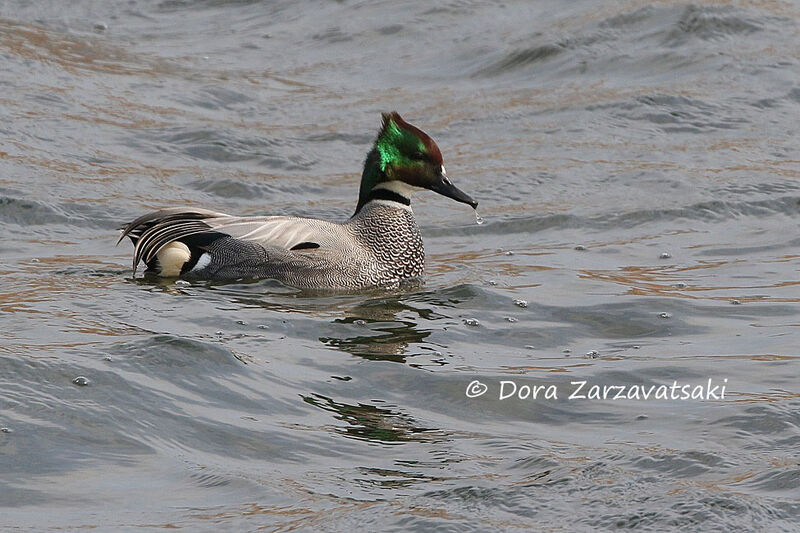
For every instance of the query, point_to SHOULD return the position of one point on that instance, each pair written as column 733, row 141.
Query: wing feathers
column 276, row 231
column 164, row 215
column 151, row 232
column 162, row 234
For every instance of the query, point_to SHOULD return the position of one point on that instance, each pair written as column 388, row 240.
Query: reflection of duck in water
column 385, row 336
column 380, row 245
column 374, row 424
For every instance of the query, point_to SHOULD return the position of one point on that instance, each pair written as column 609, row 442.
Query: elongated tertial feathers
column 151, row 232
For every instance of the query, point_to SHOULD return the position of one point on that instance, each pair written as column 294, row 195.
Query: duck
column 379, row 246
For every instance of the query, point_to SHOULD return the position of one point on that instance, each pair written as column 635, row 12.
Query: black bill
column 444, row 187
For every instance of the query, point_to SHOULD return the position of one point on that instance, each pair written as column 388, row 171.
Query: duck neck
column 374, row 185
column 370, row 177
column 389, row 194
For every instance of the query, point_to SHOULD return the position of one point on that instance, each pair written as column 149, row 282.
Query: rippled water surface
column 637, row 168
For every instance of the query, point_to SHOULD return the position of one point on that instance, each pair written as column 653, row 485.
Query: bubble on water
column 219, row 333
column 81, row 381
column 107, row 358
column 35, row 260
column 592, row 354
column 736, row 302
column 472, row 322
column 100, row 26
column 521, row 303
column 530, row 347
column 182, row 283
column 665, row 255
column 642, row 417
column 360, row 322
column 263, row 326
column 580, row 248
column 478, row 218
column 510, row 319
column 636, row 346
column 665, row 315
column 5, row 430
column 510, row 252
column 492, row 282
column 566, row 351
column 241, row 322
column 680, row 285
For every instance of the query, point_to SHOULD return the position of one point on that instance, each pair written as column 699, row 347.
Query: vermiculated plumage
column 379, row 246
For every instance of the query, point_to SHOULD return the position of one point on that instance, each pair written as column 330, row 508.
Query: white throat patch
column 398, row 187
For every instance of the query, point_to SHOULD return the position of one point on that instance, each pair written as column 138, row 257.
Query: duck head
column 403, row 159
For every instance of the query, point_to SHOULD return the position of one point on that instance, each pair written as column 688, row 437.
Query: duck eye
column 417, row 156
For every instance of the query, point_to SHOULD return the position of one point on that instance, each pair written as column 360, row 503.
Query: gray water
column 637, row 168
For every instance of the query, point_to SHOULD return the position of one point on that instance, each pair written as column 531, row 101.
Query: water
column 637, row 168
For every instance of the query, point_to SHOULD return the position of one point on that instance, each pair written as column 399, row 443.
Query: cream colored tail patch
column 171, row 259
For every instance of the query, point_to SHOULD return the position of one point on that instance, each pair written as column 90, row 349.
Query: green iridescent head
column 404, row 153
column 399, row 144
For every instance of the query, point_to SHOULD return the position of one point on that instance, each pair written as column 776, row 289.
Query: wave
column 711, row 211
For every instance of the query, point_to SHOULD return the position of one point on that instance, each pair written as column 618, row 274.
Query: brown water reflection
column 72, row 54
column 669, row 281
